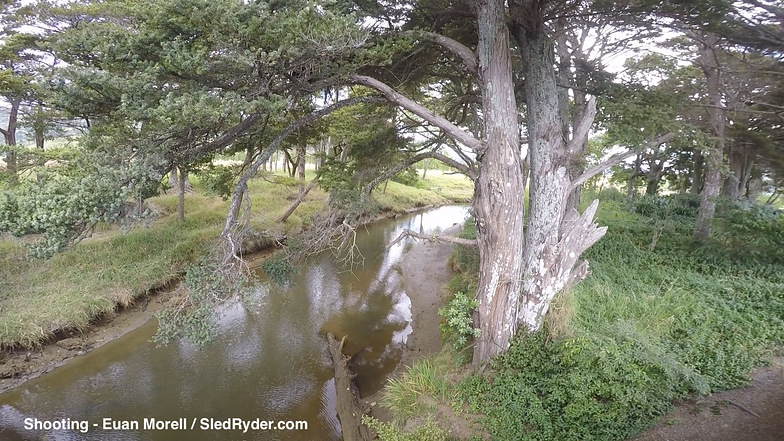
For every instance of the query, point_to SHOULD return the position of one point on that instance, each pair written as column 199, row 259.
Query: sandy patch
column 754, row 413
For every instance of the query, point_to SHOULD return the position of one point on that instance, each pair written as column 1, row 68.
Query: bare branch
column 466, row 55
column 580, row 135
column 299, row 199
column 452, row 130
column 241, row 187
column 433, row 238
column 615, row 159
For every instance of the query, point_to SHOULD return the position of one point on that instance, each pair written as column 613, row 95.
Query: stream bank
column 22, row 364
column 269, row 357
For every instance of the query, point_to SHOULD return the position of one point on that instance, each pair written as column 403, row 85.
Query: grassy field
column 658, row 318
column 68, row 291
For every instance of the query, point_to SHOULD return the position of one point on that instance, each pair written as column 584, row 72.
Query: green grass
column 405, row 396
column 658, row 318
column 39, row 298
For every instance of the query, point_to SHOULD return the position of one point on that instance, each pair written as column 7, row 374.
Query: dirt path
column 754, row 413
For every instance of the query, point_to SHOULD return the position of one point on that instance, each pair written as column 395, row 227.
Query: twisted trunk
column 498, row 198
column 556, row 235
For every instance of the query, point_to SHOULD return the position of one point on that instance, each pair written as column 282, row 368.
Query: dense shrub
column 659, row 317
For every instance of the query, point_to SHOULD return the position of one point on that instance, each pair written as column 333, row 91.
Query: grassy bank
column 658, row 318
column 70, row 290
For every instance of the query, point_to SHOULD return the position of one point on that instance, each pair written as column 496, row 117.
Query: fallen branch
column 349, row 406
column 743, row 408
column 433, row 238
column 299, row 199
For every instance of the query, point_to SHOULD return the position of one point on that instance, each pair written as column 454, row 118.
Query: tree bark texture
column 713, row 154
column 9, row 133
column 556, row 236
column 498, row 196
column 349, row 407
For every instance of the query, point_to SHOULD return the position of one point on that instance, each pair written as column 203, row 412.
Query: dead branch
column 433, row 238
column 299, row 199
column 615, row 159
column 231, row 237
column 349, row 406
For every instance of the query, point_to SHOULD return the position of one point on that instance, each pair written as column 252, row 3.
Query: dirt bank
column 425, row 271
column 754, row 413
column 20, row 365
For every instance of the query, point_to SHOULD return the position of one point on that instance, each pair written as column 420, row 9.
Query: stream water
column 268, row 362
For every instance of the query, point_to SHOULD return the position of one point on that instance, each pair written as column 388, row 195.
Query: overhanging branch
column 615, row 159
column 466, row 55
column 241, row 187
column 451, row 130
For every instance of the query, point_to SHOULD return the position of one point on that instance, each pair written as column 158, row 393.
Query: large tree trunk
column 556, row 235
column 301, row 162
column 740, row 165
column 714, row 154
column 697, row 172
column 9, row 133
column 498, row 197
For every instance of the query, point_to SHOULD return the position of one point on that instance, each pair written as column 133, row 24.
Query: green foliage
column 192, row 319
column 410, row 177
column 458, row 319
column 683, row 206
column 218, row 180
column 279, row 268
column 60, row 206
column 404, row 395
column 658, row 318
column 429, row 431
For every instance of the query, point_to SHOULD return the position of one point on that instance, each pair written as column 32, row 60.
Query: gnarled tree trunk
column 498, row 198
column 556, row 236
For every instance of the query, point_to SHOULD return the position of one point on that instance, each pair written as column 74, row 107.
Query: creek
column 269, row 360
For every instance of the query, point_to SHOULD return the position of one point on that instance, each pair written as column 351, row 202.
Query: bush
column 458, row 320
column 659, row 317
column 218, row 180
column 410, row 177
column 429, row 431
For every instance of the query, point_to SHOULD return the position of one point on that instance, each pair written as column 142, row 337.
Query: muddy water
column 269, row 361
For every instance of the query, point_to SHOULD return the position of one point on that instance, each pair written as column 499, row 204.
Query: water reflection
column 269, row 360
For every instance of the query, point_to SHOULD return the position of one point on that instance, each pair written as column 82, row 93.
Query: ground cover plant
column 659, row 317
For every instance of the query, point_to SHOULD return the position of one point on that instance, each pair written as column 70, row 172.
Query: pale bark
column 349, row 407
column 9, row 133
column 556, row 235
column 452, row 130
column 466, row 56
column 499, row 187
column 713, row 154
